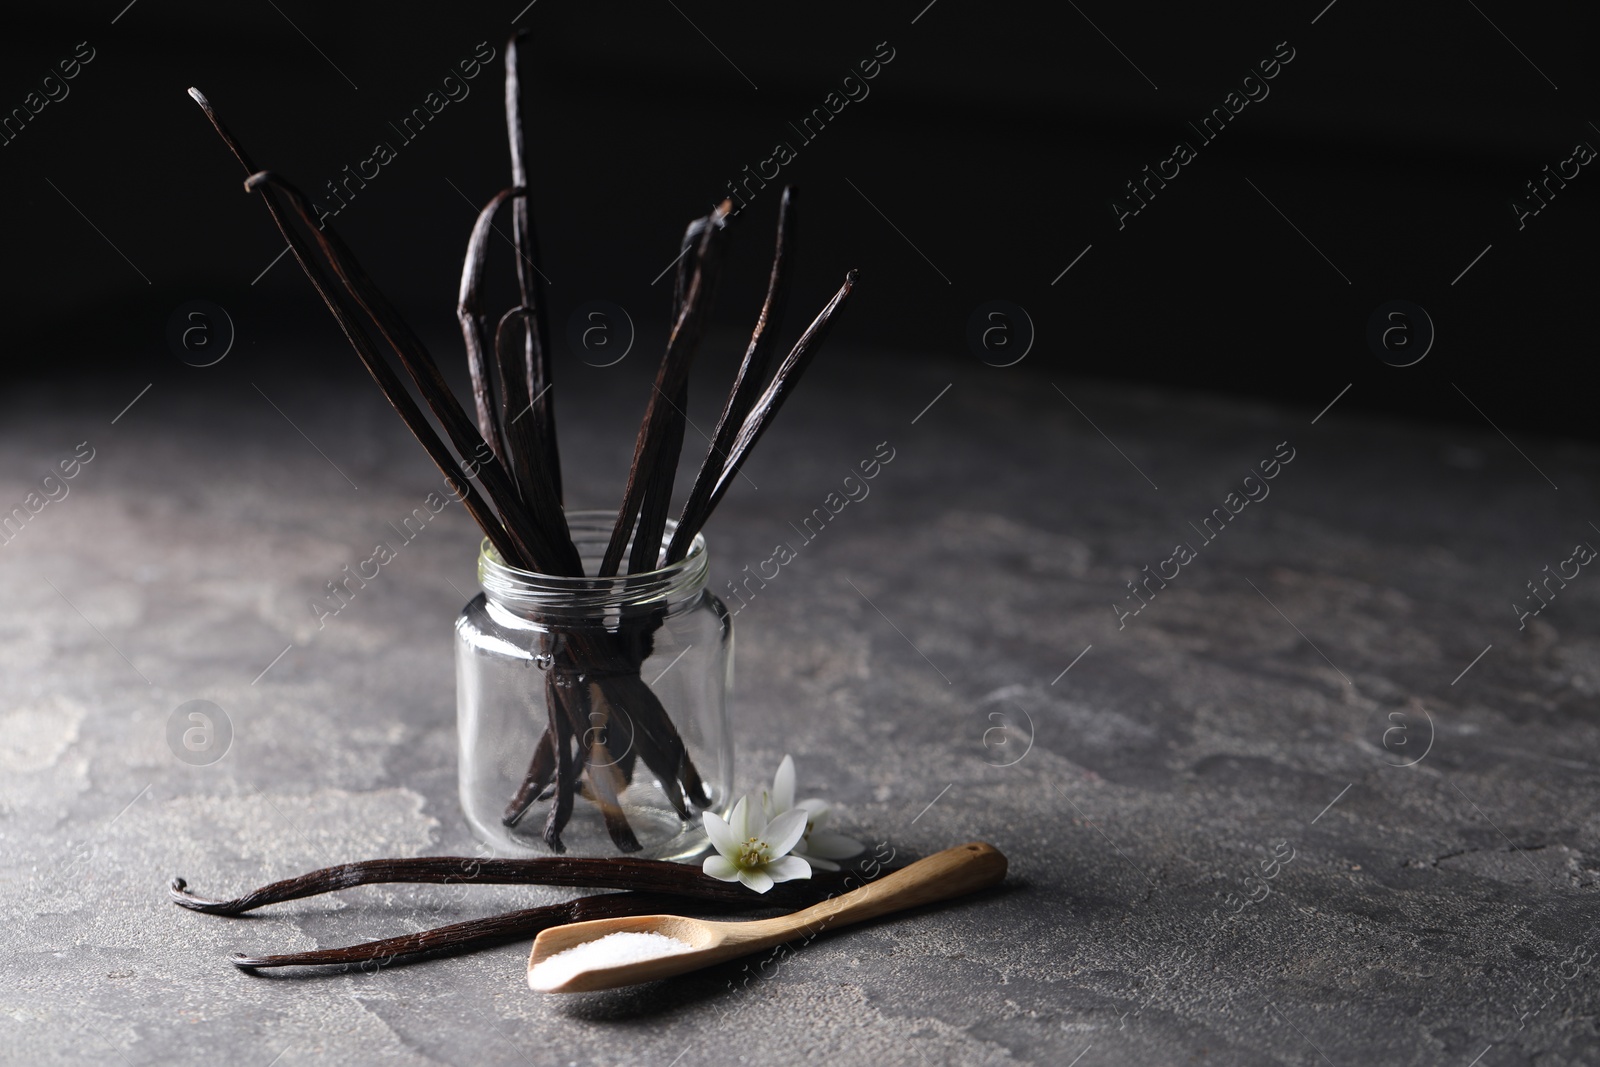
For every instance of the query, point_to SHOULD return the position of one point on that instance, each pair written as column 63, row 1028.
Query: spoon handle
column 951, row 873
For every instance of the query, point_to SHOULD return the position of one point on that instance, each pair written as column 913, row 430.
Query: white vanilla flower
column 818, row 847
column 754, row 850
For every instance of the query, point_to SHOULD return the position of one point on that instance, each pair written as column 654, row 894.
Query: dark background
column 993, row 143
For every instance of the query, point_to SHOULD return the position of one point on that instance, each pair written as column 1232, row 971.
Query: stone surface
column 1218, row 851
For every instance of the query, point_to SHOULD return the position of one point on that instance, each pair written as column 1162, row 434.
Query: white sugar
column 613, row 950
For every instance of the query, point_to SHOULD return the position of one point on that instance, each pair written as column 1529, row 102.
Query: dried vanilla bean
column 658, row 490
column 470, row 316
column 548, row 544
column 652, row 876
column 592, row 733
column 746, row 384
column 526, row 459
column 540, row 770
column 536, row 474
column 566, row 775
column 659, row 743
column 536, row 344
column 687, row 261
column 673, row 372
column 766, row 408
column 600, row 762
column 376, row 365
column 483, row 933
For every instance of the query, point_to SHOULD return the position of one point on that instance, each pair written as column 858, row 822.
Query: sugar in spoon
column 661, row 946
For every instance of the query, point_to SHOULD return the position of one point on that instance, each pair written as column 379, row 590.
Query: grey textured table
column 1218, row 854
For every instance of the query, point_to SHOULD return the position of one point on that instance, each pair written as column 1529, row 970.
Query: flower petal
column 721, row 868
column 818, row 808
column 760, row 881
column 756, row 822
column 739, row 819
column 817, row 862
column 785, row 831
column 788, row 868
column 783, row 787
column 829, row 845
column 720, row 833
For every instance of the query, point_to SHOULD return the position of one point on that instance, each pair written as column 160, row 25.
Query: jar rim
column 515, row 587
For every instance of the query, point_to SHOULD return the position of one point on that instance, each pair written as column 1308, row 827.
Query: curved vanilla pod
column 507, row 422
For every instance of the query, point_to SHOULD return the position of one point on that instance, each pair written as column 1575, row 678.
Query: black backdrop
column 978, row 163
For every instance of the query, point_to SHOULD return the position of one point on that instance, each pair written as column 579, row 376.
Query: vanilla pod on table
column 651, row 887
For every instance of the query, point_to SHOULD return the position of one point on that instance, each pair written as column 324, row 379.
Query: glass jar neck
column 556, row 596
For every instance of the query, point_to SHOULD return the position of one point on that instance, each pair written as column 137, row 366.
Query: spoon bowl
column 951, row 873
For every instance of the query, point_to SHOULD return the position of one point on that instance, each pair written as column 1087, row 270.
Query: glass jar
column 629, row 676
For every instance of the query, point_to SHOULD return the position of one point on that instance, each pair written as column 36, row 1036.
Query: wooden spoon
column 951, row 873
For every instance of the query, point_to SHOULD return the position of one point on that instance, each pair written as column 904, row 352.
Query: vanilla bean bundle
column 651, row 887
column 505, row 462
